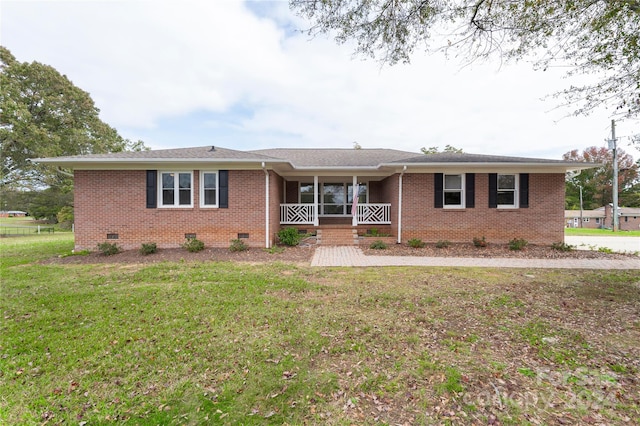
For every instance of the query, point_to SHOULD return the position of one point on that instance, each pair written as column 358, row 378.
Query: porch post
column 316, row 221
column 354, row 215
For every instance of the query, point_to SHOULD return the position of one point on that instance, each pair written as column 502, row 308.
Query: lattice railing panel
column 296, row 213
column 374, row 213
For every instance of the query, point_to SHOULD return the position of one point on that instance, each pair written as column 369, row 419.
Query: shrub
column 238, row 245
column 479, row 242
column 65, row 217
column 108, row 249
column 415, row 243
column 561, row 246
column 517, row 244
column 443, row 244
column 289, row 236
column 378, row 245
column 148, row 248
column 274, row 250
column 373, row 232
column 193, row 245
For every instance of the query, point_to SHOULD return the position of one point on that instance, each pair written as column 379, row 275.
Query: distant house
column 592, row 219
column 602, row 217
column 218, row 194
column 12, row 213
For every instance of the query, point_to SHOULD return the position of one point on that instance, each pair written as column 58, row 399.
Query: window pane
column 453, row 182
column 185, row 181
column 306, row 193
column 453, row 198
column 362, row 193
column 210, row 180
column 506, row 182
column 506, row 198
column 167, row 180
column 185, row 196
column 210, row 197
column 167, row 196
column 333, row 209
column 334, row 193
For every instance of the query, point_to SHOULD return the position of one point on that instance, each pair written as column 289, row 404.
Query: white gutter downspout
column 404, row 169
column 266, row 210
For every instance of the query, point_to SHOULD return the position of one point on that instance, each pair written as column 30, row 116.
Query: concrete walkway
column 618, row 244
column 353, row 256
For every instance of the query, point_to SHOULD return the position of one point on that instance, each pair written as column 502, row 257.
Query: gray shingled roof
column 585, row 213
column 197, row 153
column 299, row 158
column 451, row 157
column 327, row 157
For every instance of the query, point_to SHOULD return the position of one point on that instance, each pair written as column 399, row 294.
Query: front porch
column 308, row 214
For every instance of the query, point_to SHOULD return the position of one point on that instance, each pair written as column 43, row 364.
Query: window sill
column 454, row 209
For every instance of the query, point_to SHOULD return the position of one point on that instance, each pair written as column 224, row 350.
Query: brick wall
column 276, row 196
column 541, row 223
column 291, row 195
column 114, row 202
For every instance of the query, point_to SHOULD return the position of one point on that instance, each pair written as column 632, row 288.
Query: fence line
column 16, row 230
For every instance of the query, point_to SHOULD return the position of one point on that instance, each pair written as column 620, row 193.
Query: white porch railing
column 297, row 213
column 370, row 214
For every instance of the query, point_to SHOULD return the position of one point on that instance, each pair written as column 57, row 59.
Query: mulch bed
column 491, row 251
column 303, row 254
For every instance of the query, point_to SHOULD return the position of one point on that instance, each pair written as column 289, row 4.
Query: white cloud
column 192, row 72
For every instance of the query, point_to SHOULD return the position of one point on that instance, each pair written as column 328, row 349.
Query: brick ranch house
column 218, row 194
column 602, row 217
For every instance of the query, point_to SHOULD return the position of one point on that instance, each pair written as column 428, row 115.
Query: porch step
column 337, row 236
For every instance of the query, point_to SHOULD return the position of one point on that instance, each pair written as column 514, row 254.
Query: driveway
column 618, row 244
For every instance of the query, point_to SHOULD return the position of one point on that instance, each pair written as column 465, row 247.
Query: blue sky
column 243, row 76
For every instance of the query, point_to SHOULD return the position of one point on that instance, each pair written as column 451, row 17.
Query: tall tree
column 436, row 150
column 42, row 114
column 585, row 36
column 597, row 183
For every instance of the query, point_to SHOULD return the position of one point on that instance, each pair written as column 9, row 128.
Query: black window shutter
column 524, row 190
column 493, row 190
column 438, row 190
column 470, row 189
column 152, row 192
column 223, row 187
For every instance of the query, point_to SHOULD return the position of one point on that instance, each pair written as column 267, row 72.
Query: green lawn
column 600, row 232
column 225, row 343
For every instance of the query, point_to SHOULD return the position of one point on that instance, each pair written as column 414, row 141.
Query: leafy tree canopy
column 585, row 36
column 596, row 183
column 435, row 150
column 43, row 114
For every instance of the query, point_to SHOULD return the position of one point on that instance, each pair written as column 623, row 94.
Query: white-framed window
column 507, row 191
column 209, row 189
column 453, row 191
column 176, row 189
column 585, row 219
column 597, row 220
column 306, row 193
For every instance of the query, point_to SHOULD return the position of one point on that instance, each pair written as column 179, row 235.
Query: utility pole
column 581, row 210
column 612, row 146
